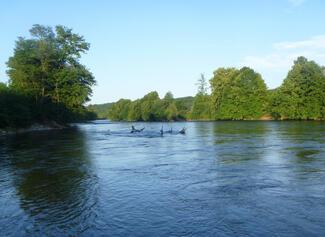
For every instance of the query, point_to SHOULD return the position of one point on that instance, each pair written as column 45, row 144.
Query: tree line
column 47, row 82
column 237, row 94
column 149, row 108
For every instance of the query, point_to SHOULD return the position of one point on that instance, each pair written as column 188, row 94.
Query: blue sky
column 141, row 46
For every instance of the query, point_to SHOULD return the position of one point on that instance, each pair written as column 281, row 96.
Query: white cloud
column 316, row 42
column 277, row 63
column 272, row 61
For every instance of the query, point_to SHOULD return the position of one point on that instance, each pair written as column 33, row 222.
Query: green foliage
column 201, row 109
column 47, row 66
column 119, row 110
column 168, row 108
column 169, row 97
column 101, row 110
column 149, row 108
column 238, row 94
column 20, row 110
column 14, row 108
column 241, row 94
column 47, row 82
column 135, row 111
column 202, row 85
column 184, row 107
column 302, row 94
column 171, row 112
column 185, row 102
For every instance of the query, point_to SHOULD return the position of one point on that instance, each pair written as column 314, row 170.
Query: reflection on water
column 220, row 179
column 241, row 141
column 53, row 179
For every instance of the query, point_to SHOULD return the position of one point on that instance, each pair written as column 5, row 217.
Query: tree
column 169, row 107
column 120, row 110
column 169, row 97
column 238, row 94
column 135, row 111
column 302, row 94
column 15, row 108
column 148, row 105
column 202, row 102
column 202, row 85
column 201, row 107
column 184, row 106
column 47, row 67
column 171, row 112
column 220, row 84
column 149, row 108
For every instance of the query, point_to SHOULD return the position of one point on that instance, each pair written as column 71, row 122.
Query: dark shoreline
column 219, row 120
column 54, row 126
column 34, row 128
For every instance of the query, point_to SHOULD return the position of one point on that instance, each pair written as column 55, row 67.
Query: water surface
column 220, row 179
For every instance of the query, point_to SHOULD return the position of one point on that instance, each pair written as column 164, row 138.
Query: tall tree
column 169, row 97
column 202, row 85
column 202, row 102
column 169, row 107
column 302, row 94
column 15, row 110
column 238, row 94
column 47, row 66
column 149, row 106
column 135, row 111
column 171, row 112
column 120, row 110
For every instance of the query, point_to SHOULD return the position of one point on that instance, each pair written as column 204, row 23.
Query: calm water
column 220, row 179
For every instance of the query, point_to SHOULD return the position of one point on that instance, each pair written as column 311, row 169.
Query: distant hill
column 101, row 110
column 186, row 101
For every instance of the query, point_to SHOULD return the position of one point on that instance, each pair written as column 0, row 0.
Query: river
column 219, row 179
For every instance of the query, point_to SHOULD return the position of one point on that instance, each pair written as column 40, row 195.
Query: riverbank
column 52, row 125
column 262, row 118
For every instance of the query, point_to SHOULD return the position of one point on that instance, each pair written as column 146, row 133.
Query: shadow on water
column 53, row 179
column 302, row 143
column 300, row 131
column 306, row 155
column 237, row 142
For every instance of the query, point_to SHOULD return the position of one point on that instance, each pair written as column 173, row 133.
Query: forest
column 236, row 94
column 47, row 83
